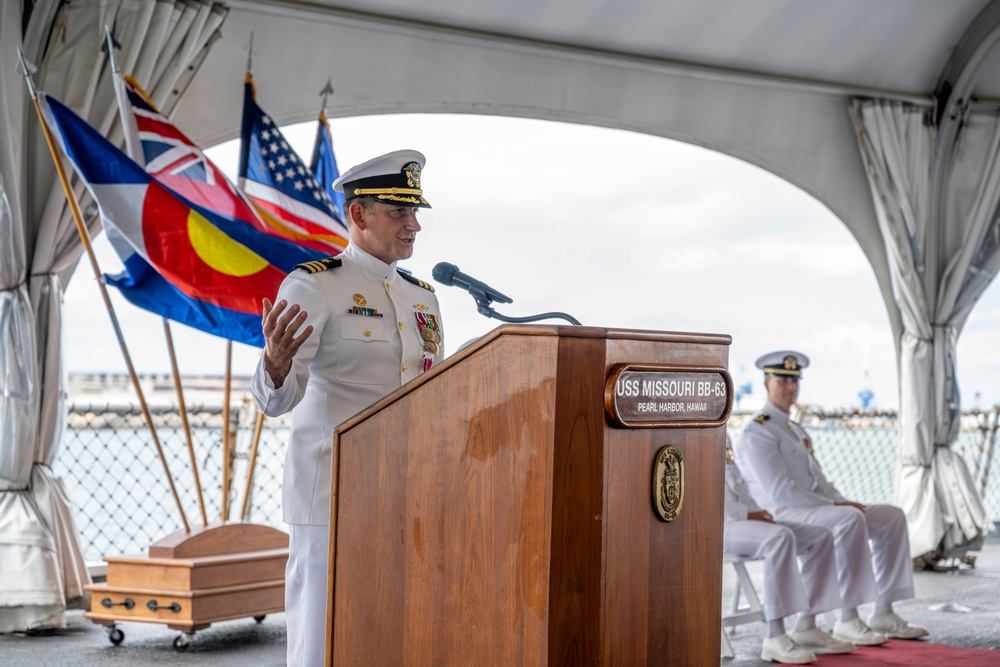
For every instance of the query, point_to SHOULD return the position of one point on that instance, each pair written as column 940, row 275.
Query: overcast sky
column 615, row 228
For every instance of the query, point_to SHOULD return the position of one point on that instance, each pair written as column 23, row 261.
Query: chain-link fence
column 857, row 450
column 122, row 501
column 120, row 495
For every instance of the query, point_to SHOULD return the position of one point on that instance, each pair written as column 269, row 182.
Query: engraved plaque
column 660, row 396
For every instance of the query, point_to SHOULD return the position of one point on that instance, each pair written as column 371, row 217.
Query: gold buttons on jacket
column 388, row 286
column 368, row 334
column 404, row 368
column 401, row 326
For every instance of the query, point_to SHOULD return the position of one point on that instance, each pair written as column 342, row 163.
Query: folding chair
column 752, row 612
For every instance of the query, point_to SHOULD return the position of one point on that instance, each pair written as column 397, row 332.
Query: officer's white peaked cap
column 783, row 362
column 393, row 178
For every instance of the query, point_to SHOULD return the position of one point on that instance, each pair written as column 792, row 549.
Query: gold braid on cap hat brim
column 360, row 192
column 782, row 371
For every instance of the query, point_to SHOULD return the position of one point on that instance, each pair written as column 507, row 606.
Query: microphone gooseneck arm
column 484, row 295
column 484, row 309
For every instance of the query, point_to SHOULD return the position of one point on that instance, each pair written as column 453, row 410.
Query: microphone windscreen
column 443, row 272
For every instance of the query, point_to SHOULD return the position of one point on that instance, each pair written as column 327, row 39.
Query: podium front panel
column 442, row 544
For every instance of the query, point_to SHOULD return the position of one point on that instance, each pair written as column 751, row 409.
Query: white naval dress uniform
column 785, row 591
column 350, row 360
column 774, row 456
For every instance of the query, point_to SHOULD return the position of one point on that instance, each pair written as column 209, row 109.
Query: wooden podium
column 549, row 495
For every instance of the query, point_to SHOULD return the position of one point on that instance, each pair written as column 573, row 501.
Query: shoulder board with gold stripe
column 762, row 417
column 416, row 281
column 319, row 265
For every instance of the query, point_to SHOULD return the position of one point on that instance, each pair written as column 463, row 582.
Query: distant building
column 157, row 388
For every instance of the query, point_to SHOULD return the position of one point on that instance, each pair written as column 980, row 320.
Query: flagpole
column 85, row 238
column 226, row 474
column 258, row 427
column 184, row 419
column 250, row 54
column 326, row 92
column 109, row 47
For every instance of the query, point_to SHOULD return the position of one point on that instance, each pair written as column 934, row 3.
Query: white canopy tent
column 884, row 111
column 41, row 565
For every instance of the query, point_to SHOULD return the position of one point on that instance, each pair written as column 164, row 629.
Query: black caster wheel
column 183, row 640
column 116, row 636
column 260, row 619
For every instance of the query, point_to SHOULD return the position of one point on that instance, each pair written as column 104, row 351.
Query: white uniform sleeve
column 759, row 457
column 823, row 486
column 739, row 502
column 302, row 289
column 826, row 488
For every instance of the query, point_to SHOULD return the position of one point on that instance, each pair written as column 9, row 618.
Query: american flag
column 324, row 163
column 282, row 186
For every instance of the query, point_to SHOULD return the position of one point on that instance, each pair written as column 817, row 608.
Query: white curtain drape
column 42, row 571
column 942, row 241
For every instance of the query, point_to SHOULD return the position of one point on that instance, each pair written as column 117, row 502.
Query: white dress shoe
column 891, row 625
column 819, row 642
column 856, row 632
column 782, row 649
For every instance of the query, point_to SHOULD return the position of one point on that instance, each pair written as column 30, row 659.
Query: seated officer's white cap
column 393, row 178
column 783, row 362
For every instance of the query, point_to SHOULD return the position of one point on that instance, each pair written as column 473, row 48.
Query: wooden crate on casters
column 193, row 579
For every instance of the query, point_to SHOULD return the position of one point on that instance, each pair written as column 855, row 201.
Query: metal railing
column 116, row 482
column 122, row 503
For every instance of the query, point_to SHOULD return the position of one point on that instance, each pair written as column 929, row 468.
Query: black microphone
column 448, row 274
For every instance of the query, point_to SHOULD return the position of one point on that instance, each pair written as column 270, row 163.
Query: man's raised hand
column 281, row 342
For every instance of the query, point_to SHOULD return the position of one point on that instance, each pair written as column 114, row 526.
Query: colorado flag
column 217, row 262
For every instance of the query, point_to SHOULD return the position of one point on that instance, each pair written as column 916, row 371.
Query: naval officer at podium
column 344, row 332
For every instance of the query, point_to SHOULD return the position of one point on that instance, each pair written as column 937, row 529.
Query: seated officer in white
column 345, row 331
column 775, row 457
column 751, row 531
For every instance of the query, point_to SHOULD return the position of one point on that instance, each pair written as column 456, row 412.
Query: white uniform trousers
column 305, row 594
column 881, row 572
column 786, row 591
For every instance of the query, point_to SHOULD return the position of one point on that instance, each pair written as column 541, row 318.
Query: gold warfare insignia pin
column 421, row 307
column 360, row 300
column 412, row 171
